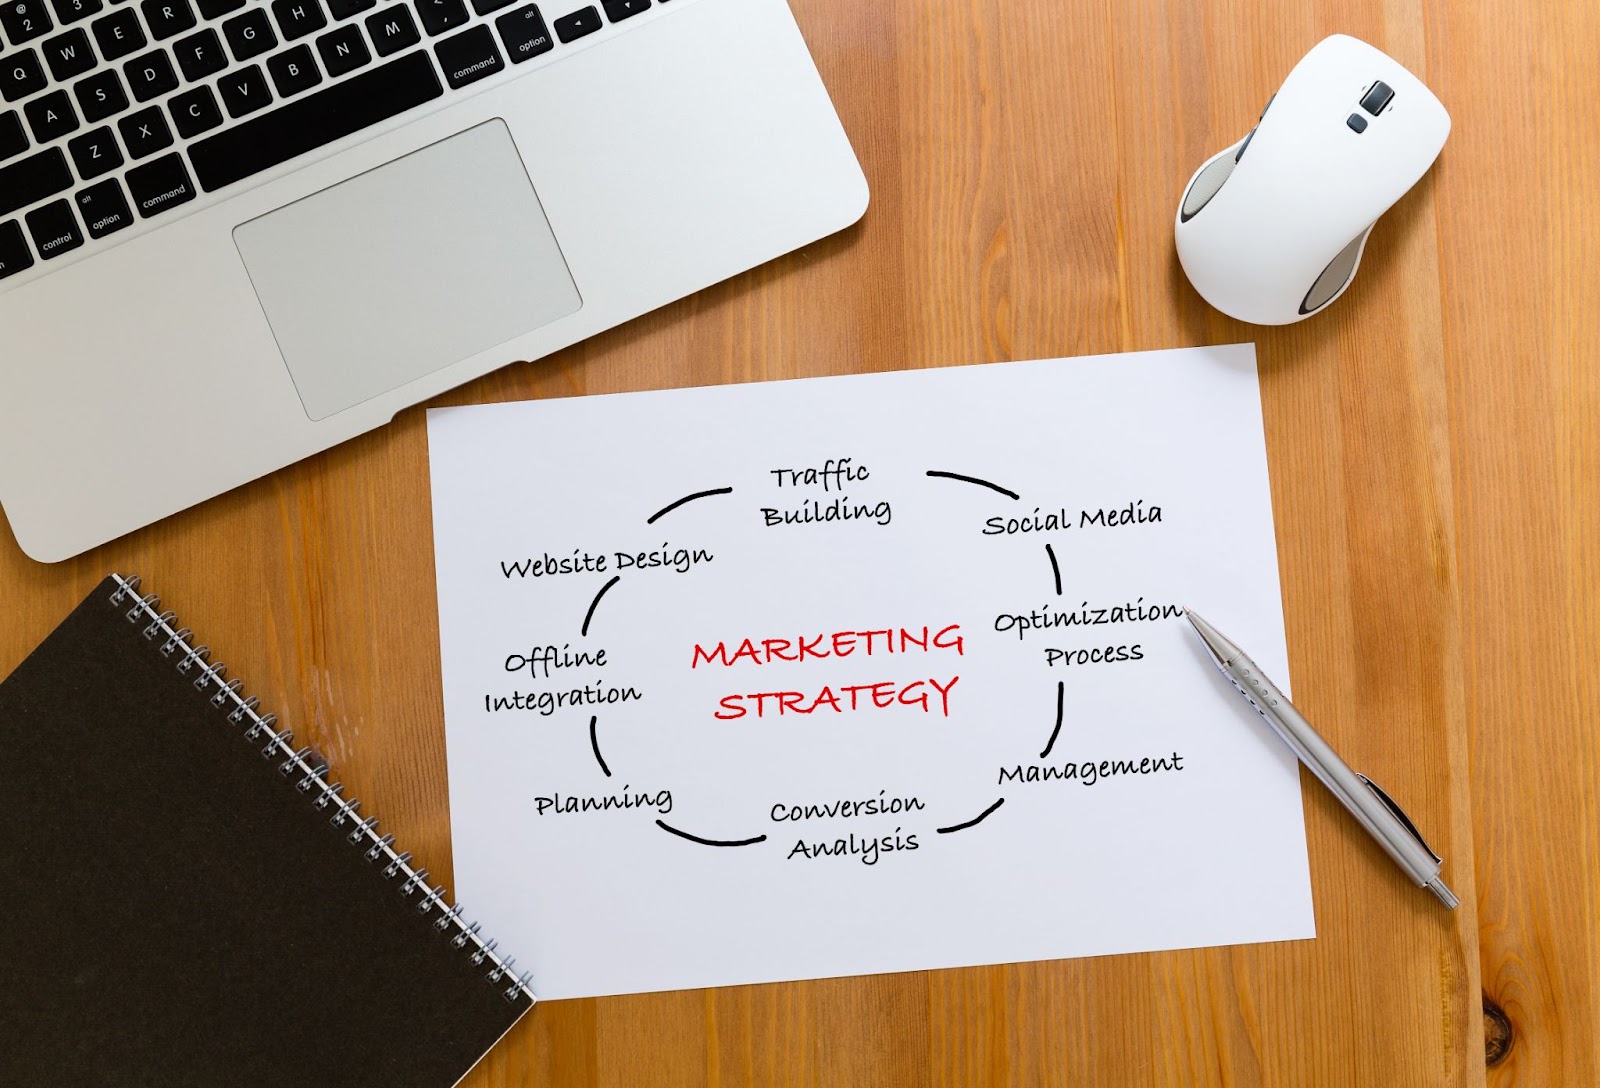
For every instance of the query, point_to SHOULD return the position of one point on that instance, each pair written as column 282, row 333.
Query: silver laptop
column 237, row 232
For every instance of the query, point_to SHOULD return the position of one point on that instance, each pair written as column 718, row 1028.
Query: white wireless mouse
column 1271, row 230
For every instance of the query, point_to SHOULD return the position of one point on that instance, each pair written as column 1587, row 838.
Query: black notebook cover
column 180, row 911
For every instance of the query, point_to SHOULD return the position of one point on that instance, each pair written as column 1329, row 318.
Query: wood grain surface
column 1434, row 441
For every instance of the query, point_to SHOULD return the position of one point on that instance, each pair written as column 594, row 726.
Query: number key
column 215, row 9
column 25, row 20
column 70, row 11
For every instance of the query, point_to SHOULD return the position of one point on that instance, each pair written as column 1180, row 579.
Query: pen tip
column 1223, row 651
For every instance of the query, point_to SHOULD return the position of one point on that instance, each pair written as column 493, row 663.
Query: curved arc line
column 671, row 506
column 663, row 825
column 978, row 819
column 594, row 742
column 1061, row 695
column 938, row 473
column 615, row 578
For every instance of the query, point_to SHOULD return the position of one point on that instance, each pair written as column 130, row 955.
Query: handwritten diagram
column 929, row 695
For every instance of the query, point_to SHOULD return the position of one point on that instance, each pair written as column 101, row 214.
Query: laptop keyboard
column 117, row 111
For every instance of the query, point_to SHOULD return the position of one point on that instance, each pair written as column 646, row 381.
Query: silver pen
column 1374, row 809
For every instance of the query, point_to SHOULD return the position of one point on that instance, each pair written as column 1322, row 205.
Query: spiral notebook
column 193, row 901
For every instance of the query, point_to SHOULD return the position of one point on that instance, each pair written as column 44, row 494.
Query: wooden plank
column 1520, row 256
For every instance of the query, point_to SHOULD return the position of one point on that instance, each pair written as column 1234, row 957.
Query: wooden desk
column 1435, row 451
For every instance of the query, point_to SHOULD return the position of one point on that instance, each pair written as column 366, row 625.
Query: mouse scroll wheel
column 1377, row 97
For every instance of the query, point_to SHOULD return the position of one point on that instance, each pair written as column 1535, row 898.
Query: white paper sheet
column 576, row 783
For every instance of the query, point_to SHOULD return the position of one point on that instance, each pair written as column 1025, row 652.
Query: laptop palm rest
column 406, row 269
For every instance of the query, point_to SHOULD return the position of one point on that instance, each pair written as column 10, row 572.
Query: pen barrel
column 1352, row 791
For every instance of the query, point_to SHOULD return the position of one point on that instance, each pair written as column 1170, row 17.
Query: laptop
column 236, row 232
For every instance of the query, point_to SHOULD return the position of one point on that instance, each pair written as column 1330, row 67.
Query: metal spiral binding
column 176, row 644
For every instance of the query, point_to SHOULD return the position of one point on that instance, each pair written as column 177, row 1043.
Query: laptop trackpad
column 406, row 269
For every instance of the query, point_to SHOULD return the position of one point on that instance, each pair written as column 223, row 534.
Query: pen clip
column 1399, row 814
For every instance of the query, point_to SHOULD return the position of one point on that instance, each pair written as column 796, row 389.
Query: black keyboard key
column 51, row 116
column 215, row 9
column 294, row 71
column 21, row 74
column 195, row 111
column 159, row 185
column 200, row 55
column 167, row 18
column 30, row 180
column 343, row 9
column 14, row 252
column 13, row 141
column 54, row 229
column 440, row 15
column 249, row 35
column 484, row 7
column 343, row 50
column 469, row 56
column 244, row 91
column 94, row 153
column 572, row 27
column 145, row 132
column 69, row 55
column 25, row 20
column 297, row 18
column 119, row 34
column 150, row 76
column 100, row 96
column 70, row 11
column 392, row 29
column 618, row 10
column 104, row 209
column 314, row 120
column 524, row 33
